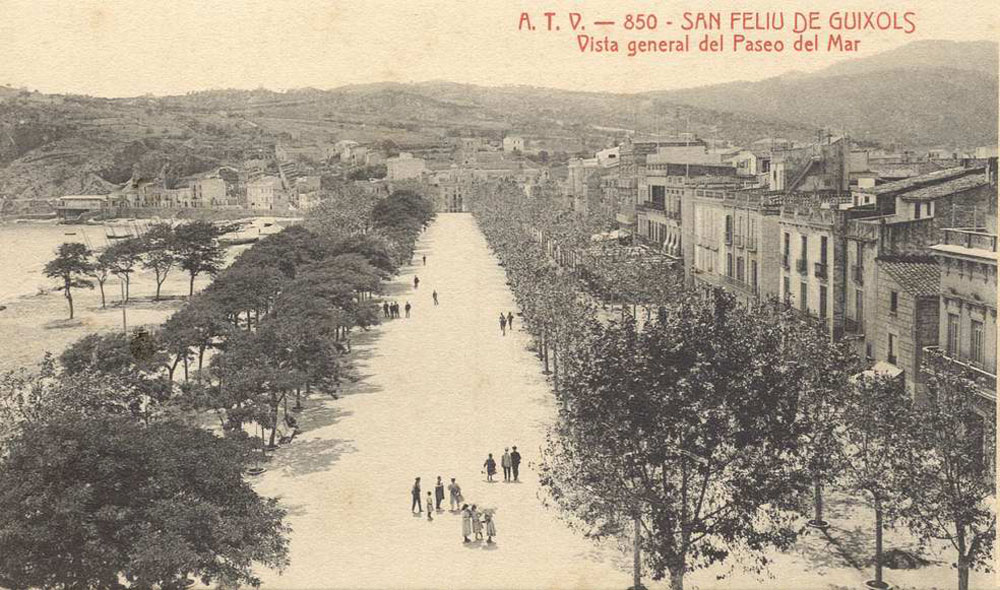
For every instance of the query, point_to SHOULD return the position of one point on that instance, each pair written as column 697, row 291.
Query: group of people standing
column 391, row 309
column 474, row 519
column 506, row 321
column 510, row 462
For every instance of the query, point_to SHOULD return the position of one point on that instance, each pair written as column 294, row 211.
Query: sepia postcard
column 565, row 294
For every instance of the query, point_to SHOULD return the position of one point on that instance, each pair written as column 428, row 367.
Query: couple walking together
column 510, row 462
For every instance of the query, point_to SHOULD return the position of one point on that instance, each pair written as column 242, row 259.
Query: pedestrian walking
column 491, row 527
column 466, row 522
column 510, row 321
column 434, row 294
column 385, row 308
column 503, row 324
column 438, row 493
column 425, row 260
column 506, row 464
column 394, row 310
column 477, row 524
column 415, row 492
column 416, row 281
column 407, row 309
column 430, row 507
column 455, row 494
column 491, row 467
column 515, row 462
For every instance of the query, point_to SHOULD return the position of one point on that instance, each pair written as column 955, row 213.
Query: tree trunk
column 818, row 501
column 185, row 368
column 547, row 371
column 191, row 286
column 555, row 364
column 69, row 299
column 104, row 304
column 878, row 544
column 963, row 561
column 128, row 286
column 637, row 555
column 677, row 577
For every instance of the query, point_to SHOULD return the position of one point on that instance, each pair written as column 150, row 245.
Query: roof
column 917, row 276
column 914, row 182
column 960, row 184
column 957, row 250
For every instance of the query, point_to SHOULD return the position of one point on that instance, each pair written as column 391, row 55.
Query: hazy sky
column 123, row 48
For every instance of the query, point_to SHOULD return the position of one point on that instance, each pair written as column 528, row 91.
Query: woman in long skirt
column 466, row 522
column 491, row 527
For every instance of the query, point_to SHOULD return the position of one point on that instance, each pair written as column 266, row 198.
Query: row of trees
column 699, row 435
column 193, row 247
column 108, row 479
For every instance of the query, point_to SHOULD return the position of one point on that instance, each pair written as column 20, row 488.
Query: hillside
column 922, row 94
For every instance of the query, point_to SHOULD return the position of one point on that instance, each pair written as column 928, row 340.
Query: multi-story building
column 731, row 241
column 266, row 194
column 906, row 318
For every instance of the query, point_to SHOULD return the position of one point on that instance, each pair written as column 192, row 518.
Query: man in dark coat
column 415, row 492
column 515, row 462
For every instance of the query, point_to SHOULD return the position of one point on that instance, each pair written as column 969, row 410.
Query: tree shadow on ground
column 307, row 456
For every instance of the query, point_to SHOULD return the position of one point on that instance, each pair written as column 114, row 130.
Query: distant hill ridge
column 926, row 93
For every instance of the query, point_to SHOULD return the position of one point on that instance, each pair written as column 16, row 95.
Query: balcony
column 853, row 326
column 974, row 239
column 858, row 274
column 751, row 243
column 820, row 270
column 785, row 262
column 982, row 376
column 729, row 239
column 649, row 206
column 802, row 266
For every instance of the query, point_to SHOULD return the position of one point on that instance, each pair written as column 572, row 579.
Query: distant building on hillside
column 404, row 167
column 266, row 194
column 73, row 206
column 513, row 143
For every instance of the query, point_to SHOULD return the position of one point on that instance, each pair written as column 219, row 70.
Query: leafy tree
column 158, row 253
column 172, row 505
column 874, row 442
column 100, row 272
column 71, row 265
column 197, row 249
column 347, row 211
column 685, row 427
column 948, row 482
column 122, row 257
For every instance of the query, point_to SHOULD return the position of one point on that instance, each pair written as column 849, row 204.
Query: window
column 893, row 302
column 951, row 345
column 916, row 210
column 859, row 308
column 740, row 270
column 788, row 244
column 822, row 301
column 729, row 265
column 753, row 274
column 805, row 248
column 804, row 296
column 729, row 229
column 788, row 290
column 822, row 250
column 892, row 348
column 976, row 343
